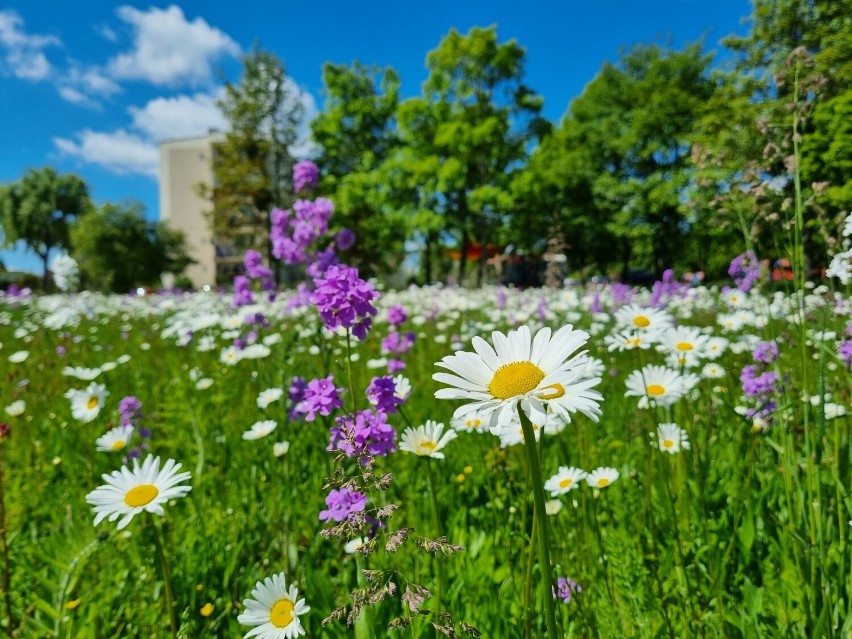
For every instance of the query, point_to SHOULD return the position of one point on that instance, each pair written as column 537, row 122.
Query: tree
column 39, row 208
column 252, row 168
column 627, row 141
column 118, row 249
column 355, row 132
column 473, row 123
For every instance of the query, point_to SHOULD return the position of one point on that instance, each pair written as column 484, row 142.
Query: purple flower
column 343, row 299
column 395, row 365
column 130, row 410
column 305, row 174
column 296, row 393
column 765, row 352
column 321, row 396
column 845, row 352
column 382, row 394
column 397, row 315
column 242, row 291
column 342, row 503
column 253, row 262
column 565, row 589
column 345, row 239
column 398, row 343
column 363, row 433
column 756, row 384
column 322, row 260
column 745, row 269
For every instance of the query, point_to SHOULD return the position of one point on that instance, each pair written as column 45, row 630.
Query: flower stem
column 437, row 514
column 349, row 371
column 543, row 533
column 167, row 585
column 7, row 586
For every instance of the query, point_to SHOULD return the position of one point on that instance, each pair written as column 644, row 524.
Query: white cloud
column 82, row 86
column 304, row 147
column 179, row 116
column 168, row 49
column 22, row 53
column 119, row 151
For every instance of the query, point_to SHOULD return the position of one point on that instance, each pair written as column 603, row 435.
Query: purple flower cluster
column 129, row 410
column 381, row 393
column 666, row 290
column 745, row 269
column 756, row 383
column 565, row 589
column 292, row 234
column 305, row 175
column 397, row 344
column 253, row 262
column 622, row 294
column 765, row 352
column 397, row 315
column 321, row 397
column 243, row 295
column 845, row 352
column 366, row 432
column 296, row 394
column 344, row 299
column 342, row 503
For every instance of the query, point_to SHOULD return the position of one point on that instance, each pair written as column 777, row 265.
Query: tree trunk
column 483, row 257
column 45, row 278
column 427, row 259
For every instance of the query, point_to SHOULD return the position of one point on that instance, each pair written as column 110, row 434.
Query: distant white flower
column 279, row 449
column 269, row 396
column 426, row 440
column 204, row 383
column 601, row 477
column 114, row 440
column 566, row 480
column 17, row 408
column 87, row 404
column 20, row 356
column 66, row 273
column 552, row 506
column 260, row 429
column 86, row 374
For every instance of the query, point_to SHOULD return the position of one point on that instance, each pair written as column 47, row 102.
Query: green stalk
column 541, row 516
column 7, row 586
column 349, row 371
column 436, row 512
column 167, row 585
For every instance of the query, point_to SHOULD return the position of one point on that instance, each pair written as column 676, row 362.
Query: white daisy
column 274, row 610
column 470, row 423
column 269, row 396
column 426, row 440
column 16, row 408
column 260, row 429
column 115, row 439
column 566, row 480
column 145, row 488
column 86, row 404
column 658, row 384
column 552, row 506
column 715, row 347
column 670, row 438
column 401, row 387
column 601, row 477
column 518, row 370
column 637, row 318
column 627, row 340
column 713, row 371
column 685, row 343
column 86, row 374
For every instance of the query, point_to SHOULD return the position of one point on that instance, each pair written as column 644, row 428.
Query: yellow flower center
column 603, row 481
column 667, row 443
column 282, row 613
column 656, row 390
column 430, row 446
column 641, row 321
column 553, row 391
column 92, row 403
column 517, row 378
column 474, row 423
column 141, row 495
column 684, row 346
column 565, row 483
column 118, row 445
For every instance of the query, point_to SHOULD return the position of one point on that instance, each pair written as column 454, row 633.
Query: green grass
column 744, row 535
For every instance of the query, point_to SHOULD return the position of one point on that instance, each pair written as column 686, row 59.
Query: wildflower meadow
column 341, row 459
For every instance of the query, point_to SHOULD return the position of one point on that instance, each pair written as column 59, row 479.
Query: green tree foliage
column 356, row 134
column 614, row 174
column 472, row 124
column 252, row 168
column 119, row 250
column 798, row 56
column 39, row 208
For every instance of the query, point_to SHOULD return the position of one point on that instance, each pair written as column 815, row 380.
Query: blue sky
column 91, row 86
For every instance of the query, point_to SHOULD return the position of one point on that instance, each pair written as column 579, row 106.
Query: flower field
column 694, row 464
